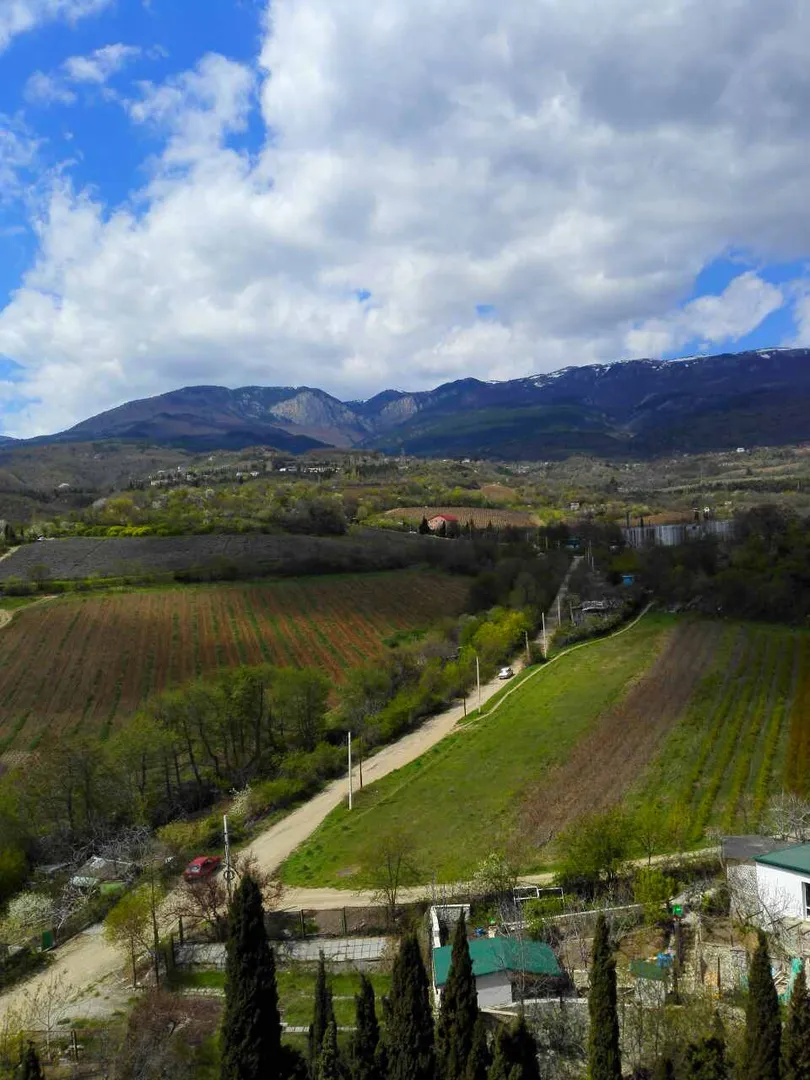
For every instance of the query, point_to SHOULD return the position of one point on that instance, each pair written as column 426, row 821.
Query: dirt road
column 92, row 968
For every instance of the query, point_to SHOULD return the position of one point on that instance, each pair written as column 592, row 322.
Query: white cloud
column 100, row 65
column 44, row 89
column 21, row 16
column 738, row 310
column 573, row 165
column 95, row 69
column 17, row 154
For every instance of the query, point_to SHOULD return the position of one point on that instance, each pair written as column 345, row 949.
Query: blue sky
column 319, row 192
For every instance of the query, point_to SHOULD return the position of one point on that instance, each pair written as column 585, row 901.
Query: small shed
column 435, row 523
column 651, row 981
column 98, row 872
column 497, row 963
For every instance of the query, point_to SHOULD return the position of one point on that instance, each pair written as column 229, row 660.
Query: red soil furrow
column 37, row 640
column 185, row 669
column 76, row 682
column 111, row 654
column 141, row 612
column 42, row 671
column 163, row 641
column 243, row 606
column 276, row 640
column 612, row 756
column 230, row 649
column 208, row 644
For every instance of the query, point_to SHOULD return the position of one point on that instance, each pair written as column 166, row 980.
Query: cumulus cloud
column 569, row 168
column 17, row 154
column 21, row 16
column 738, row 310
column 96, row 68
column 100, row 65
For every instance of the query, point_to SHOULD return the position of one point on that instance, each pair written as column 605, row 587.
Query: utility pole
column 545, row 641
column 350, row 770
column 528, row 650
column 559, row 609
column 229, row 873
column 478, row 680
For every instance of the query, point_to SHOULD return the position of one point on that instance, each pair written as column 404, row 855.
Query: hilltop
column 634, row 408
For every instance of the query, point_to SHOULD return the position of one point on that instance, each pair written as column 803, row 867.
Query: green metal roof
column 796, row 858
column 489, row 955
column 646, row 969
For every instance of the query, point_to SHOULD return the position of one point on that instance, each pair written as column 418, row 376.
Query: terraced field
column 87, row 662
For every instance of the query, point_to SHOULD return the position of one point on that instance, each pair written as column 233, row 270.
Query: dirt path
column 88, row 962
column 90, row 966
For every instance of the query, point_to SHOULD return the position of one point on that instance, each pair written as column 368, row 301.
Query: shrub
column 271, row 795
column 185, row 838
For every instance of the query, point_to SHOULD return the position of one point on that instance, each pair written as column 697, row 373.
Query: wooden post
column 343, row 922
column 180, row 936
column 303, row 924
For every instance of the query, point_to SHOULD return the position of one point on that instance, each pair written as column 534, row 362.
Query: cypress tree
column 796, row 1039
column 706, row 1060
column 520, row 1049
column 328, row 1066
column 409, row 1034
column 479, row 1061
column 364, row 1058
column 424, row 528
column 663, row 1069
column 30, row 1068
column 251, row 1026
column 502, row 1068
column 604, row 1062
column 763, row 1030
column 459, row 1010
column 323, row 1015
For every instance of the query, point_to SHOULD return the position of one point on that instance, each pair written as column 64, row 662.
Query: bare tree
column 787, row 817
column 44, row 1006
column 388, row 866
column 205, row 903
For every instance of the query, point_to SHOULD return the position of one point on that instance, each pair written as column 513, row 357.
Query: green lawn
column 459, row 801
column 296, row 991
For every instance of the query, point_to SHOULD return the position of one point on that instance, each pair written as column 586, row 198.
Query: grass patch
column 296, row 990
column 460, row 800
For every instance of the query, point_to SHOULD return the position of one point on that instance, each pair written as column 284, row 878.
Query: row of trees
column 409, row 1046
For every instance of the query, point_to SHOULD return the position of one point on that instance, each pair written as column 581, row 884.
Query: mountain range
column 636, row 408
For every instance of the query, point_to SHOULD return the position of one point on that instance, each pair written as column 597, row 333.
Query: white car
column 505, row 673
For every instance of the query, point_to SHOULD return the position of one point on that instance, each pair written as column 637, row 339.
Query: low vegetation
column 465, row 796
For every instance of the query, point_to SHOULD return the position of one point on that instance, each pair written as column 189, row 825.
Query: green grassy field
column 296, row 991
column 461, row 799
column 701, row 718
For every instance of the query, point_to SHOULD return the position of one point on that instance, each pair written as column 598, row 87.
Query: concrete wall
column 640, row 536
column 493, row 989
column 782, row 892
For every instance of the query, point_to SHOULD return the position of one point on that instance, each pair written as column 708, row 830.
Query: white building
column 783, row 883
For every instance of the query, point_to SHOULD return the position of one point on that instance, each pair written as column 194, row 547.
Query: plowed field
column 88, row 662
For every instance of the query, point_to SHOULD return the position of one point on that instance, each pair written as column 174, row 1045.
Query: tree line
column 409, row 1045
column 280, row 730
column 764, row 573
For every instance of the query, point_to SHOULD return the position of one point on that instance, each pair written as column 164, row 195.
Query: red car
column 202, row 867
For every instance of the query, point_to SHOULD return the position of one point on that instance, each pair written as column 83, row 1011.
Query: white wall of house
column 493, row 989
column 781, row 892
